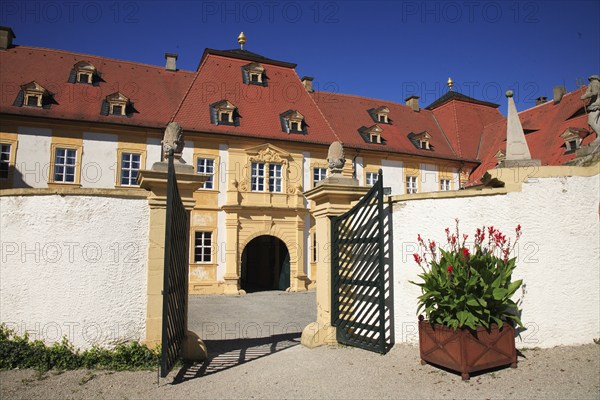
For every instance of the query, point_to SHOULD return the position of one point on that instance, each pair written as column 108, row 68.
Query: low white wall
column 74, row 266
column 558, row 254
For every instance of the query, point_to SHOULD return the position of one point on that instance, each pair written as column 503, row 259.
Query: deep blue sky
column 386, row 50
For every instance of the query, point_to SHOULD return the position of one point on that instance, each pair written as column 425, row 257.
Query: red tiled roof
column 463, row 124
column 546, row 122
column 154, row 92
column 348, row 113
column 220, row 78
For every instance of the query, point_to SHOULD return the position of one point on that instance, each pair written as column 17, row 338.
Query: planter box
column 465, row 350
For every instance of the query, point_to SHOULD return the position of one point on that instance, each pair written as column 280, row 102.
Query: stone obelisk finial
column 517, row 151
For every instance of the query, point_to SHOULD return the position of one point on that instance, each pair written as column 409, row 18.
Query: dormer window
column 380, row 115
column 84, row 72
column 573, row 138
column 224, row 113
column 293, row 122
column 117, row 104
column 32, row 94
column 254, row 74
column 372, row 134
column 421, row 140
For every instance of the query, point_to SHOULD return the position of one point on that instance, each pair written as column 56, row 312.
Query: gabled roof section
column 155, row 92
column 260, row 106
column 346, row 114
column 451, row 95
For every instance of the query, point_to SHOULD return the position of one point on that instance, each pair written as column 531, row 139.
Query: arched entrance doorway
column 265, row 265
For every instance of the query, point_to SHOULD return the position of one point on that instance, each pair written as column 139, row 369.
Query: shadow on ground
column 226, row 354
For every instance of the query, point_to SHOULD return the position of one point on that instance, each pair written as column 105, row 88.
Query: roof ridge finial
column 450, row 83
column 242, row 40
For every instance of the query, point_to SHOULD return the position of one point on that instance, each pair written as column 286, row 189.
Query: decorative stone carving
column 268, row 155
column 336, row 158
column 173, row 140
column 593, row 93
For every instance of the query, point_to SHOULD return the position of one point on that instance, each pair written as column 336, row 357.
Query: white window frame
column 202, row 250
column 62, row 177
column 257, row 177
column 444, row 184
column 129, row 173
column 371, row 178
column 319, row 174
column 275, row 178
column 206, row 166
column 5, row 159
column 411, row 184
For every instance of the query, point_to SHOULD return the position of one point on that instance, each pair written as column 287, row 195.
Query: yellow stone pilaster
column 156, row 183
column 331, row 198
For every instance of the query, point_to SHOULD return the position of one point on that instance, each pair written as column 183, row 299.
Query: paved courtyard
column 254, row 343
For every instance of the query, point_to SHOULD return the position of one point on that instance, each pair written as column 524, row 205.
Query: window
column 375, row 138
column 254, row 74
column 4, row 160
column 445, row 184
column 275, row 178
column 32, row 94
column 411, row 184
column 130, row 165
column 372, row 178
column 258, row 177
column 83, row 72
column 33, row 100
column 84, row 77
column 64, row 165
column 371, row 134
column 206, row 166
column 293, row 122
column 424, row 144
column 380, row 114
column 318, row 175
column 224, row 112
column 117, row 110
column 420, row 140
column 117, row 104
column 572, row 145
column 203, row 247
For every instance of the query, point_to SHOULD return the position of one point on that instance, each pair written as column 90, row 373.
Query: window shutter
column 105, row 108
column 19, row 100
column 265, row 79
column 236, row 118
column 284, row 125
column 72, row 76
column 214, row 115
column 245, row 76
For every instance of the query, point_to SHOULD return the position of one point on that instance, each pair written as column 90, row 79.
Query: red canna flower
column 466, row 253
column 418, row 258
column 450, row 269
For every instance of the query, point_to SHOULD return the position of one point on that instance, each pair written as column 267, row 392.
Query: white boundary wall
column 74, row 266
column 558, row 253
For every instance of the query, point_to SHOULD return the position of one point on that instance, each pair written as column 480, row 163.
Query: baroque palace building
column 260, row 132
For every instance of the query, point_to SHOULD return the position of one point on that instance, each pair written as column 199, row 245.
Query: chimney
column 541, row 100
column 6, row 37
column 413, row 102
column 307, row 82
column 171, row 62
column 558, row 92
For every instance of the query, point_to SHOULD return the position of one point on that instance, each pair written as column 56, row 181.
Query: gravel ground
column 255, row 353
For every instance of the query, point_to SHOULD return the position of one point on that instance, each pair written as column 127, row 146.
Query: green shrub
column 19, row 352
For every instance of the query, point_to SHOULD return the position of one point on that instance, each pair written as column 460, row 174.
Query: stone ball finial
column 509, row 93
column 336, row 158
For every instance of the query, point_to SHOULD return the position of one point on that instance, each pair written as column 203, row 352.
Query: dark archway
column 265, row 265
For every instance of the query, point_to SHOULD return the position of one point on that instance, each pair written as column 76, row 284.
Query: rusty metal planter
column 466, row 350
